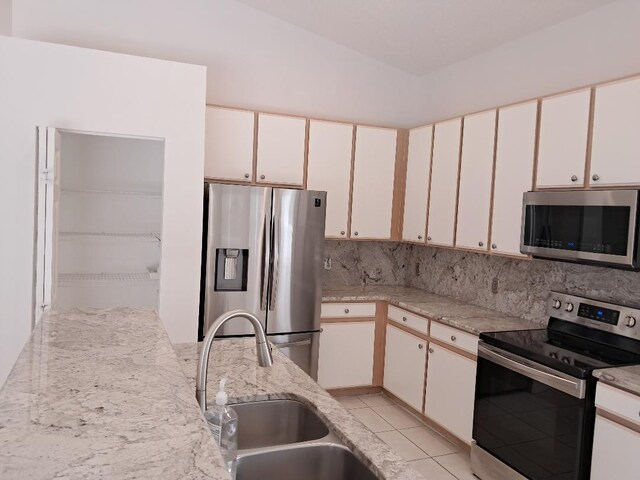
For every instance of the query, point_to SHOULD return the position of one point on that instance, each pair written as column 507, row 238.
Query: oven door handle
column 572, row 386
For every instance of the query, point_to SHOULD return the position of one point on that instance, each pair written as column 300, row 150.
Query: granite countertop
column 100, row 394
column 446, row 310
column 235, row 359
column 626, row 378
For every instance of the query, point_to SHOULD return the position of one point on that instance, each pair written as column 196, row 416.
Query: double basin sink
column 286, row 440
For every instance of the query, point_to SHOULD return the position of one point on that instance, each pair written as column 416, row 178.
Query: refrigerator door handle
column 265, row 265
column 276, row 258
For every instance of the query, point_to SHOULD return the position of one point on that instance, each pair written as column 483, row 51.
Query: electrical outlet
column 494, row 285
column 327, row 263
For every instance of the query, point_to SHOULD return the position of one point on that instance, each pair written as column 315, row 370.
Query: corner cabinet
column 444, row 182
column 347, row 338
column 476, row 171
column 329, row 169
column 404, row 366
column 229, row 144
column 515, row 150
column 615, row 152
column 416, row 196
column 373, row 182
column 281, row 150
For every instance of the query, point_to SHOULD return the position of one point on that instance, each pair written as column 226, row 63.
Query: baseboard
column 364, row 390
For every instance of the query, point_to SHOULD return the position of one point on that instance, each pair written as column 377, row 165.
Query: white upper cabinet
column 476, row 170
column 229, row 144
column 564, row 129
column 329, row 169
column 281, row 145
column 615, row 154
column 444, row 182
column 373, row 177
column 416, row 196
column 513, row 174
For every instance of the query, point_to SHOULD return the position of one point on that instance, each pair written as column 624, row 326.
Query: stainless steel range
column 534, row 404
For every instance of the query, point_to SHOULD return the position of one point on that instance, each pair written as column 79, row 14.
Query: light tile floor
column 427, row 451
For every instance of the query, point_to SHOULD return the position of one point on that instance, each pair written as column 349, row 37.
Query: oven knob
column 553, row 355
column 566, row 359
column 569, row 307
column 630, row 321
column 557, row 304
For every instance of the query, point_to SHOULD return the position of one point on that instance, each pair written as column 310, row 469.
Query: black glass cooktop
column 574, row 353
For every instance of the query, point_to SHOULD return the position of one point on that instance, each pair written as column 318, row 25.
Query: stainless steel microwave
column 597, row 227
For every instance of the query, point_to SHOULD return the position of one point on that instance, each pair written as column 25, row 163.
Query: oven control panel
column 618, row 319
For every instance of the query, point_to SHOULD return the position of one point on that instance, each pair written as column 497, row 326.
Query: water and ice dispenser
column 231, row 269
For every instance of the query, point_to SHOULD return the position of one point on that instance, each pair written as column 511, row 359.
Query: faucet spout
column 264, row 352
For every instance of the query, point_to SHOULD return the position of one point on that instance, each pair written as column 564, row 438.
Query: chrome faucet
column 264, row 352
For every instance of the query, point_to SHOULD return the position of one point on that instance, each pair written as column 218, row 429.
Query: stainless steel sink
column 308, row 462
column 277, row 422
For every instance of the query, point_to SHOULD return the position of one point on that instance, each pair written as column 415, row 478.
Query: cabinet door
column 416, row 196
column 329, row 169
column 564, row 127
column 404, row 366
column 476, row 171
column 615, row 150
column 374, row 169
column 346, row 344
column 513, row 174
column 229, row 144
column 281, row 144
column 444, row 182
column 451, row 381
column 615, row 451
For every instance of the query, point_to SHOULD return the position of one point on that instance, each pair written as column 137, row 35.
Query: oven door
column 531, row 418
column 582, row 226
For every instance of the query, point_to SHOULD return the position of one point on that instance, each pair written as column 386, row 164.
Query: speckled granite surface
column 447, row 310
column 100, row 394
column 246, row 381
column 626, row 378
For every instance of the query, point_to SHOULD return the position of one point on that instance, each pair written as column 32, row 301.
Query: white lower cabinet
column 346, row 354
column 404, row 366
column 615, row 451
column 451, row 380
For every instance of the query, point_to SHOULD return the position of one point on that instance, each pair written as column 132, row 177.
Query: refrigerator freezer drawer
column 301, row 348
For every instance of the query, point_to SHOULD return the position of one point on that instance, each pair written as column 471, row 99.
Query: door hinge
column 46, row 175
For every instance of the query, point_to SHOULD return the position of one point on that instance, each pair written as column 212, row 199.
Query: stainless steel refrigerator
column 263, row 252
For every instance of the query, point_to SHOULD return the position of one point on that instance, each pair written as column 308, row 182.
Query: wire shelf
column 146, row 237
column 105, row 191
column 98, row 279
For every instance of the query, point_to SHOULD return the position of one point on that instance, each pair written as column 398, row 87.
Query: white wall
column 67, row 87
column 599, row 45
column 255, row 61
column 5, row 17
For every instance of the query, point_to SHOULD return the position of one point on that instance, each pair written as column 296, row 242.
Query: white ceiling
column 419, row 36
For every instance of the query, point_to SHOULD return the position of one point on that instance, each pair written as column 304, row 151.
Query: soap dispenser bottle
column 223, row 423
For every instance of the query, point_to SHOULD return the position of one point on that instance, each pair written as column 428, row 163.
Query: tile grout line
column 394, row 429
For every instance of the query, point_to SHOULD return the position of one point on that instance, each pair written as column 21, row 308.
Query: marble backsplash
column 522, row 287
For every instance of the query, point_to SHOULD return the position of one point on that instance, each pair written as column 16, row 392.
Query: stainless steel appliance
column 263, row 252
column 534, row 402
column 595, row 227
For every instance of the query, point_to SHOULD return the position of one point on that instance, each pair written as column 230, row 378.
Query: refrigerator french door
column 263, row 253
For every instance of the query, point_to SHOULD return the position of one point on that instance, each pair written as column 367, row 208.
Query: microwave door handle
column 575, row 388
column 276, row 258
column 264, row 282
